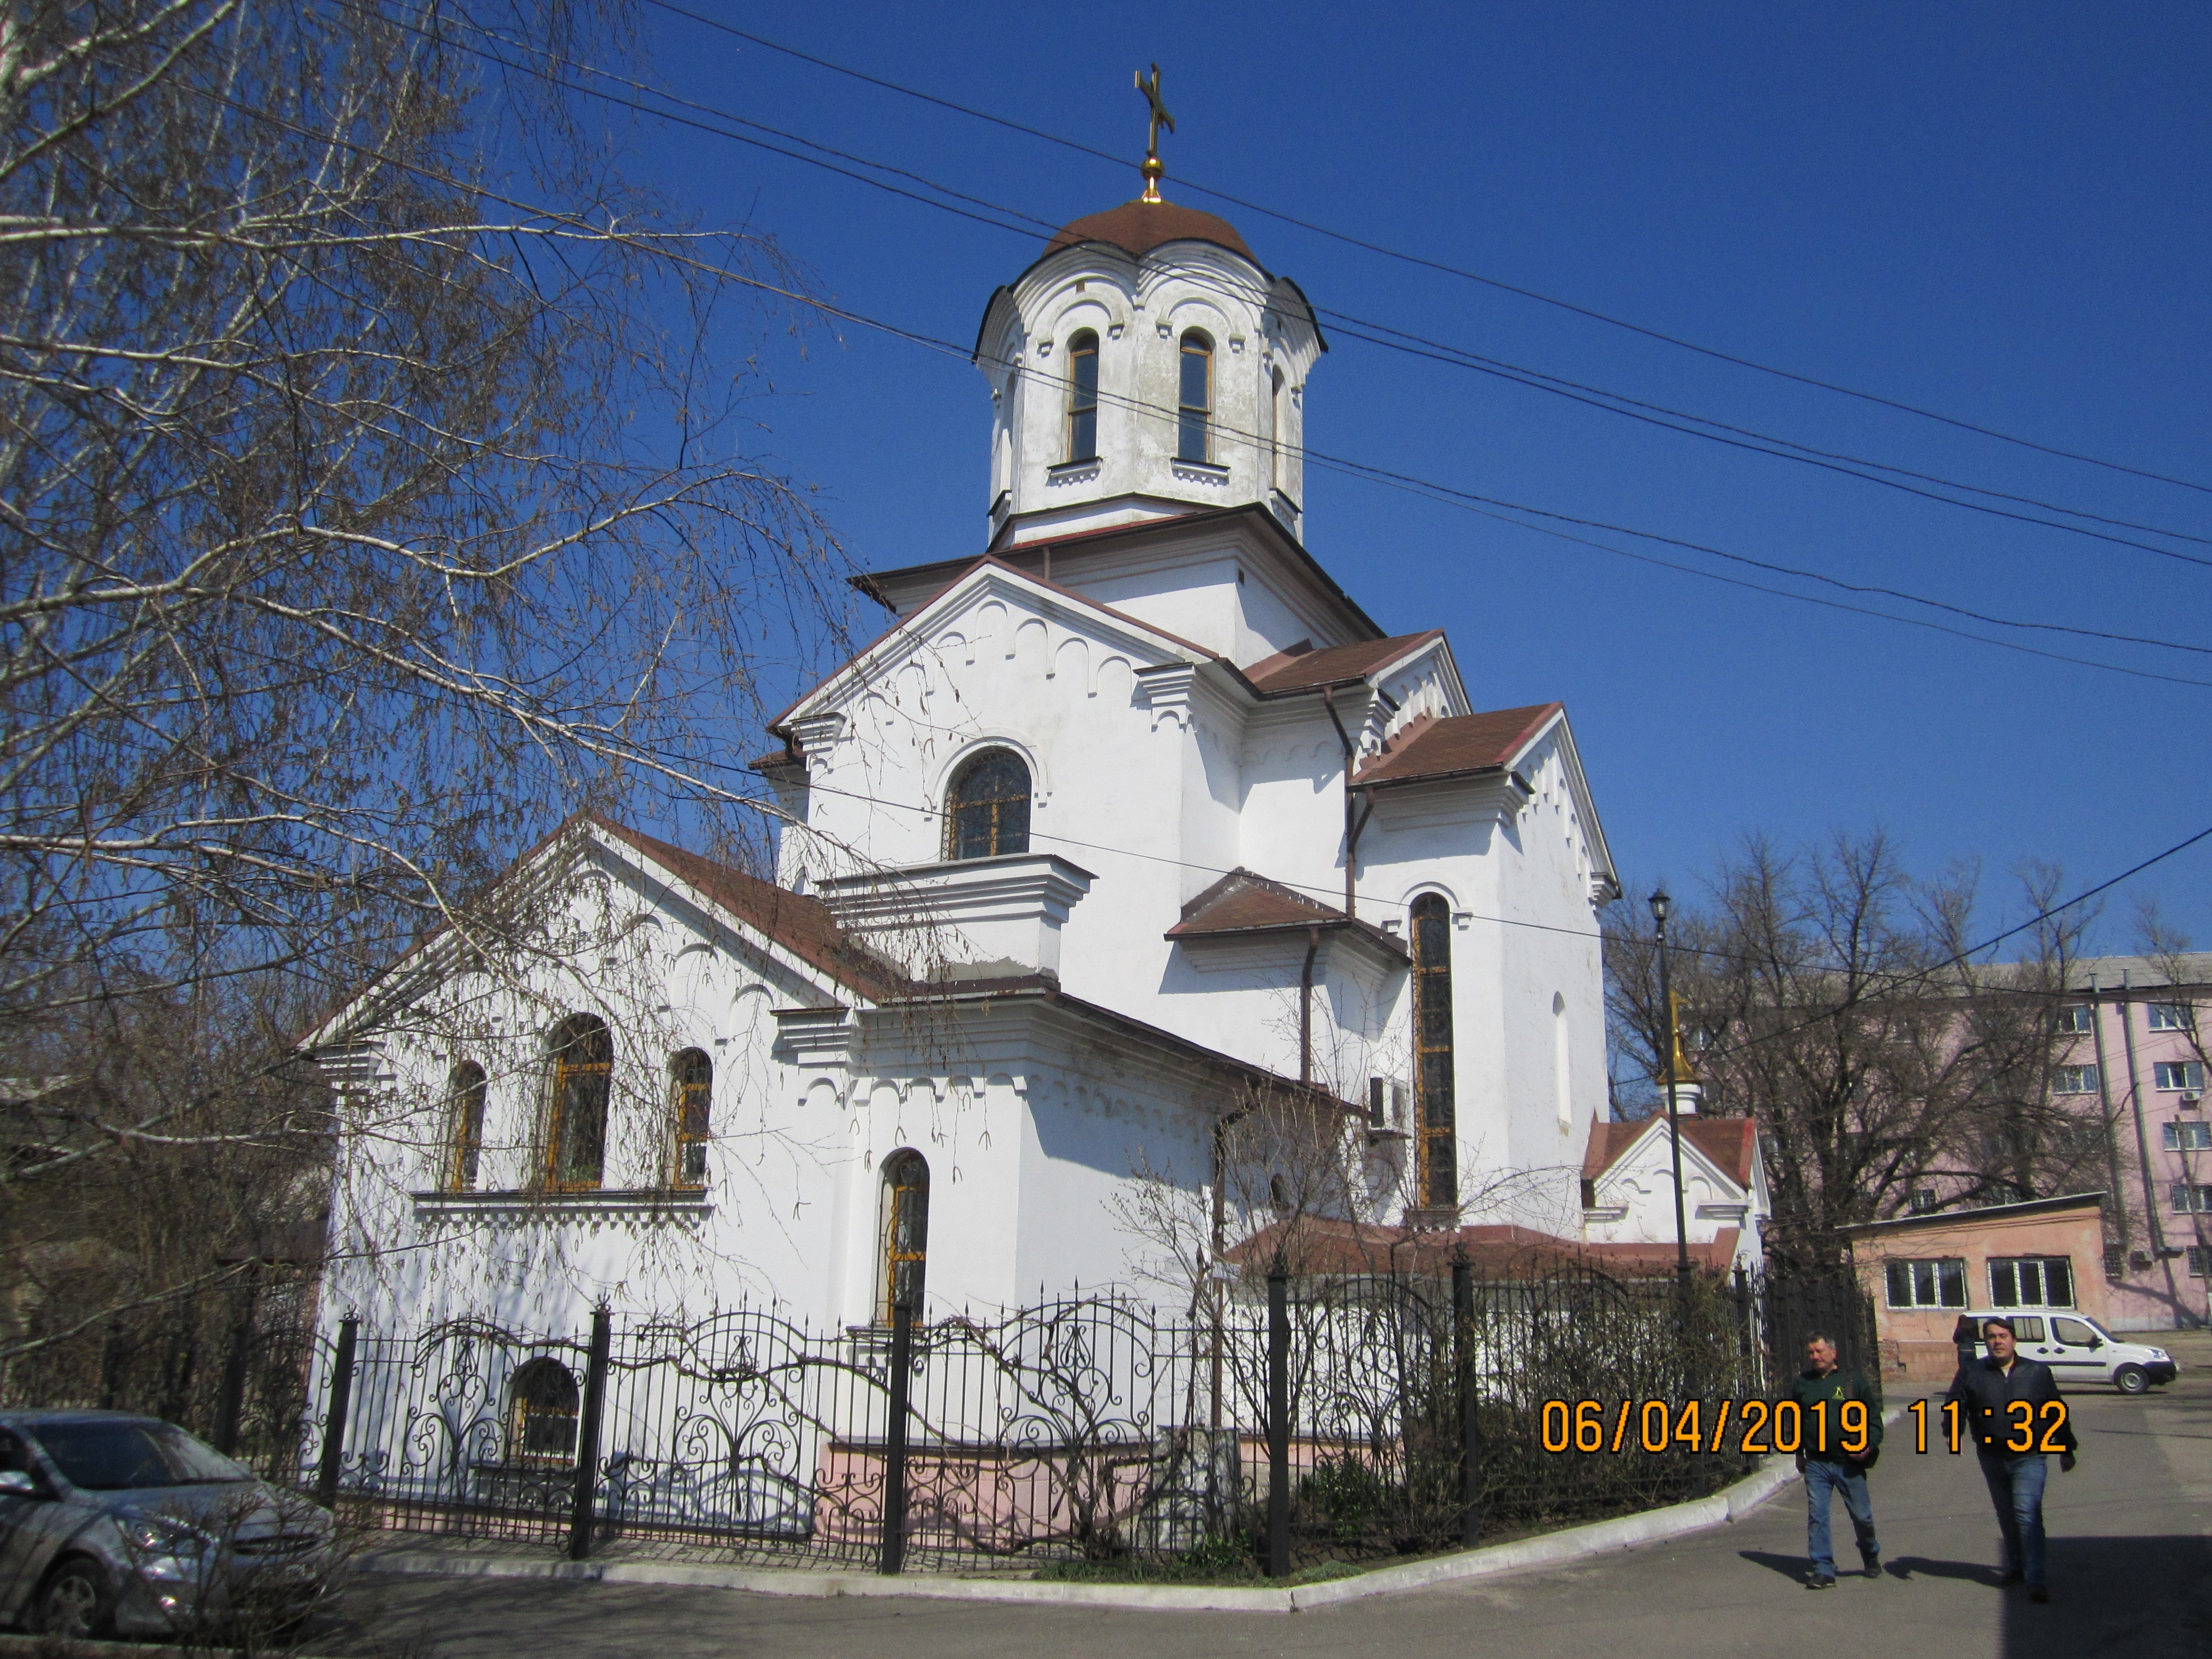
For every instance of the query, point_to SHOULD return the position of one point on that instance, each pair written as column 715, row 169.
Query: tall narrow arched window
column 1438, row 1161
column 1083, row 396
column 581, row 1054
column 1281, row 414
column 541, row 1413
column 465, row 1106
column 691, row 1098
column 906, row 1231
column 1194, row 400
column 987, row 811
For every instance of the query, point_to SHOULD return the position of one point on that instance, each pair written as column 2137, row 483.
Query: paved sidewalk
column 2130, row 1566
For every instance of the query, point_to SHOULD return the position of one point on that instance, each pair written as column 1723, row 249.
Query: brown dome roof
column 1138, row 227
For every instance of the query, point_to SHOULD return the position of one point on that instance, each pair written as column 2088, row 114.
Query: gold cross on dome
column 1154, row 169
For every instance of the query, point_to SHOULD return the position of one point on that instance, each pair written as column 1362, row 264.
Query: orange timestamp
column 1757, row 1427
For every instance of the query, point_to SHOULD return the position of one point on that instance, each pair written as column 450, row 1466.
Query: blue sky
column 2000, row 214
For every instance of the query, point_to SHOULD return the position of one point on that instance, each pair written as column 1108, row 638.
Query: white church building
column 1130, row 820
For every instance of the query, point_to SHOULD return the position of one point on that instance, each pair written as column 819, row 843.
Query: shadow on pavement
column 1919, row 1566
column 2105, row 1591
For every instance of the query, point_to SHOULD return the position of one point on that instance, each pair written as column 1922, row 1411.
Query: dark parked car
column 111, row 1523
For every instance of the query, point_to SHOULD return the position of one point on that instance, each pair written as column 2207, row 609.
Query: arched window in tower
column 1083, row 396
column 1195, row 413
column 1437, row 1177
column 987, row 812
column 906, row 1232
column 691, row 1096
column 464, row 1103
column 1279, row 405
column 581, row 1056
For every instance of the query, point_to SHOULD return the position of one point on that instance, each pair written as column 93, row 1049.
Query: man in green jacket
column 1829, row 1467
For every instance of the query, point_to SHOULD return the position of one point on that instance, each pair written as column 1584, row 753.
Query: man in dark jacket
column 2012, row 1409
column 1828, row 1468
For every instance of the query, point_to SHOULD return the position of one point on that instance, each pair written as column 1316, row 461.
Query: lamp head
column 1661, row 905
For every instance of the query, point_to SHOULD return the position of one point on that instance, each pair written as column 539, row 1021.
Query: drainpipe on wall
column 2142, row 1135
column 2111, row 1119
column 1352, row 826
column 1305, row 1007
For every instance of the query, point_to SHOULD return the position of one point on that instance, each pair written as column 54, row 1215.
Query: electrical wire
column 1382, row 335
column 1349, row 241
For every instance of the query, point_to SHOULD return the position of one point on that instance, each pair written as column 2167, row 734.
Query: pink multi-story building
column 2132, row 1055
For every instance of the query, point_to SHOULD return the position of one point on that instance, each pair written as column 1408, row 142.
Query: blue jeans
column 2016, row 1489
column 1822, row 1480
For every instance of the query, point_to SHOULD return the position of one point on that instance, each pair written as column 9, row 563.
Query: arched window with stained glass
column 1437, row 1161
column 986, row 812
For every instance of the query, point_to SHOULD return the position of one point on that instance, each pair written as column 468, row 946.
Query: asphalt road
column 2130, row 1571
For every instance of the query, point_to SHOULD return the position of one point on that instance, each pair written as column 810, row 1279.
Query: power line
column 1382, row 335
column 1483, row 506
column 1426, row 263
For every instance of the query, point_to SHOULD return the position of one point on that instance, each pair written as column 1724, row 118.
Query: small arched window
column 906, row 1231
column 1194, row 410
column 691, row 1098
column 987, row 815
column 541, row 1413
column 1437, row 1160
column 1083, row 396
column 1281, row 414
column 464, row 1107
column 582, row 1056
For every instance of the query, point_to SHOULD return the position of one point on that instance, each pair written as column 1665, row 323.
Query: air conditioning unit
column 2190, row 1103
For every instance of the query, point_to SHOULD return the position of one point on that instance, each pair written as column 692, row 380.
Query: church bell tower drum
column 1146, row 365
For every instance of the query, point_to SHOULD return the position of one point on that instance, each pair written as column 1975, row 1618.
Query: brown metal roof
column 1138, row 227
column 1302, row 668
column 802, row 926
column 1319, row 1245
column 1244, row 903
column 1431, row 748
column 1732, row 1143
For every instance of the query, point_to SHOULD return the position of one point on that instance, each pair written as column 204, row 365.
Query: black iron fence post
column 893, row 1550
column 1279, row 1422
column 334, row 1424
column 1470, row 1425
column 588, row 1437
column 230, row 1402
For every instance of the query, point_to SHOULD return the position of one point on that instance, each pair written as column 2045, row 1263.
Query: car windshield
column 118, row 1456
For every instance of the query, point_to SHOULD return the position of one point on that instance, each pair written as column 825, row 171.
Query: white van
column 2076, row 1347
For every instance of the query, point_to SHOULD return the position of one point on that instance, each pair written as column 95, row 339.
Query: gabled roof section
column 988, row 571
column 800, row 924
column 1305, row 669
column 1458, row 745
column 1730, row 1144
column 1242, row 904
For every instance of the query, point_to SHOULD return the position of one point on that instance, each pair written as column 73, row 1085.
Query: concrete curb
column 1599, row 1537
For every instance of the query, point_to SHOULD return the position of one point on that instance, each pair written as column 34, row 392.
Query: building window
column 988, row 814
column 1436, row 1172
column 2183, row 1074
column 582, row 1055
column 2073, row 1021
column 2171, row 1017
column 1083, row 396
column 691, row 1096
column 2200, row 1260
column 2073, row 1080
column 1940, row 1282
column 465, row 1104
column 906, row 1231
column 1194, row 411
column 1924, row 1201
column 1281, row 429
column 2192, row 1198
column 541, row 1418
column 2031, row 1281
column 2188, row 1137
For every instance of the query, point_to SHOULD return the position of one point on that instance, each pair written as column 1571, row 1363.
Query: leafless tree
column 373, row 494
column 1837, row 1001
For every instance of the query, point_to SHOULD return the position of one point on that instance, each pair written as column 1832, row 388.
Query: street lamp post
column 1661, row 905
